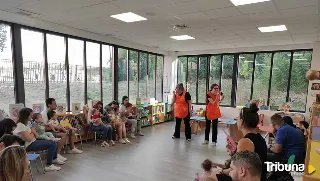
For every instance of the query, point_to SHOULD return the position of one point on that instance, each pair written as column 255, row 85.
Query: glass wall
column 143, row 64
column 277, row 77
column 33, row 67
column 133, row 76
column 6, row 69
column 159, row 78
column 122, row 73
column 151, row 76
column 93, row 71
column 107, row 61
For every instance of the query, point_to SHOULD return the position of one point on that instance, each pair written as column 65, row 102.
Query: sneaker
column 205, row 142
column 59, row 157
column 105, row 144
column 214, row 144
column 140, row 134
column 75, row 151
column 132, row 136
column 188, row 140
column 122, row 141
column 126, row 140
column 58, row 162
column 52, row 168
column 112, row 143
column 173, row 137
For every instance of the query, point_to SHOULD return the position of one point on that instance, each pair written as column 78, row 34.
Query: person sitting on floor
column 227, row 163
column 207, row 170
column 40, row 128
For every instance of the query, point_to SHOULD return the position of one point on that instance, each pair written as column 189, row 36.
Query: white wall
column 24, row 20
column 169, row 74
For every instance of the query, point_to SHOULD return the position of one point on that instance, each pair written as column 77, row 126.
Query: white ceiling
column 215, row 24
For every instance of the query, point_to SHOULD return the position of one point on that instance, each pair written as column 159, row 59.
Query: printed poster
column 61, row 108
column 76, row 108
column 14, row 110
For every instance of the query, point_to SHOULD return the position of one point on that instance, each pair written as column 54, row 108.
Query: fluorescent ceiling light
column 182, row 37
column 273, row 28
column 244, row 2
column 128, row 17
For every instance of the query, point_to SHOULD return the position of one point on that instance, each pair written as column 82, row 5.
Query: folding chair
column 34, row 158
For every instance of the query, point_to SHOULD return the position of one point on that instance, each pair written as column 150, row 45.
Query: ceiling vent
column 180, row 27
column 24, row 12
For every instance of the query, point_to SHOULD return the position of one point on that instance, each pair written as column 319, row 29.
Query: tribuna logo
column 296, row 169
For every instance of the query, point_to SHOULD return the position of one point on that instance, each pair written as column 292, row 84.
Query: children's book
column 230, row 141
column 76, row 108
column 14, row 110
column 37, row 108
column 61, row 108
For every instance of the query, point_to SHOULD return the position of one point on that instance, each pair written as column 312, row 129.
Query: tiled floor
column 154, row 157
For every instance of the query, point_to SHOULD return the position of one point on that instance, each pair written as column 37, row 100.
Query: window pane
column 143, row 76
column 107, row 61
column 192, row 77
column 215, row 70
column 244, row 78
column 57, row 68
column 6, row 69
column 76, row 70
column 122, row 73
column 151, row 71
column 93, row 71
column 182, row 70
column 299, row 84
column 202, row 80
column 226, row 81
column 262, row 76
column 33, row 67
column 159, row 78
column 133, row 76
column 280, row 77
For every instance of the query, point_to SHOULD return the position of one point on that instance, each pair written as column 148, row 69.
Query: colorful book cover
column 76, row 108
column 61, row 108
column 14, row 110
column 37, row 108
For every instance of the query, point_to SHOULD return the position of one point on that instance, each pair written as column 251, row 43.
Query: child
column 40, row 128
column 118, row 124
column 304, row 126
column 96, row 117
column 207, row 170
column 130, row 111
column 55, row 126
column 227, row 163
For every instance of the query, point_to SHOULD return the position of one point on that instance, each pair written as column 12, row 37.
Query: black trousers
column 214, row 130
column 187, row 129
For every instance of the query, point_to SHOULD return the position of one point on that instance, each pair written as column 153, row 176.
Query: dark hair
column 250, row 160
column 49, row 101
column 305, row 124
column 213, row 85
column 36, row 116
column 51, row 114
column 288, row 120
column 24, row 114
column 6, row 126
column 128, row 105
column 124, row 98
column 9, row 139
column 250, row 116
column 180, row 86
column 206, row 165
column 113, row 102
column 276, row 119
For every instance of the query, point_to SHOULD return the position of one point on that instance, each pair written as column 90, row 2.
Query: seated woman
column 7, row 126
column 125, row 113
column 32, row 144
column 62, row 133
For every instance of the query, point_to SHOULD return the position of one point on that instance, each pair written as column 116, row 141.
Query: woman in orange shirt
column 212, row 113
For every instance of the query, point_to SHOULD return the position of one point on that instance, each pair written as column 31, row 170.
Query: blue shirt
column 291, row 140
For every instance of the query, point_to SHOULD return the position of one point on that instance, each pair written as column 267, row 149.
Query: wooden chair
column 66, row 124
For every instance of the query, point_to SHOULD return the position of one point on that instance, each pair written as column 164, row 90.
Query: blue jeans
column 42, row 145
column 106, row 131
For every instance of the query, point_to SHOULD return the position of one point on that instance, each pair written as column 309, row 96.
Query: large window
column 122, row 73
column 33, row 67
column 143, row 62
column 133, row 76
column 159, row 78
column 93, row 71
column 56, row 49
column 215, row 70
column 182, row 69
column 151, row 76
column 6, row 69
column 226, row 78
column 191, row 85
column 202, row 79
column 244, row 78
column 107, row 61
column 76, row 70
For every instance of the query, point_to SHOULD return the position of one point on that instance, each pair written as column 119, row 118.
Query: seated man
column 289, row 141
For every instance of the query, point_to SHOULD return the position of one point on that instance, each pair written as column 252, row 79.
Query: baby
column 40, row 128
column 227, row 163
column 207, row 170
column 96, row 117
column 54, row 123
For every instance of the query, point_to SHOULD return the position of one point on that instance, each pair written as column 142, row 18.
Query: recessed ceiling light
column 182, row 37
column 273, row 28
column 244, row 2
column 128, row 17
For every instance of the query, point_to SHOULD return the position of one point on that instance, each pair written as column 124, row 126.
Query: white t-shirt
column 21, row 128
column 44, row 115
